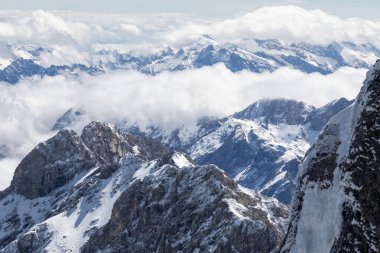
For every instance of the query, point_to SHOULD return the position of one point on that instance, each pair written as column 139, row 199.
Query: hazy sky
column 205, row 8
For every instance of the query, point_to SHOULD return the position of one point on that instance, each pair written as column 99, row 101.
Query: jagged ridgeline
column 337, row 202
column 250, row 54
column 107, row 191
column 259, row 147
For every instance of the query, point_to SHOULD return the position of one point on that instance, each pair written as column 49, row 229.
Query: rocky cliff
column 107, row 191
column 337, row 202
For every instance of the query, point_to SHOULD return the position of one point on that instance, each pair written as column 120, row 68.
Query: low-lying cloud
column 29, row 109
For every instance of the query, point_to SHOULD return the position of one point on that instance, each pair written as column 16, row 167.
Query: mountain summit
column 108, row 191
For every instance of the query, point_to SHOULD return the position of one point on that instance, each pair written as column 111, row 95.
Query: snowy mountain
column 260, row 147
column 249, row 54
column 107, row 191
column 336, row 205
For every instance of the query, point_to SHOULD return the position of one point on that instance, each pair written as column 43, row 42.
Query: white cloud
column 288, row 23
column 29, row 109
column 83, row 30
column 7, row 168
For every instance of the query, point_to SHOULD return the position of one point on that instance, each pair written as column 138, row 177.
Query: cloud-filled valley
column 30, row 108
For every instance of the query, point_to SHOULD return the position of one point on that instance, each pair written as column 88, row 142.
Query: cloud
column 287, row 23
column 73, row 37
column 7, row 168
column 29, row 109
column 83, row 30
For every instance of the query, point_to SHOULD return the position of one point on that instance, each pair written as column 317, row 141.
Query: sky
column 203, row 8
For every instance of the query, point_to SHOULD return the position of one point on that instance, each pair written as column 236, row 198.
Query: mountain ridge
column 260, row 149
column 338, row 181
column 130, row 175
column 251, row 55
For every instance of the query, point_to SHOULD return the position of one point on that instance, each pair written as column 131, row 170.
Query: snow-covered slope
column 107, row 191
column 249, row 54
column 336, row 205
column 260, row 147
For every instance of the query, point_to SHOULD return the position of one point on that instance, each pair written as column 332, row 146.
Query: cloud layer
column 30, row 108
column 80, row 33
column 291, row 24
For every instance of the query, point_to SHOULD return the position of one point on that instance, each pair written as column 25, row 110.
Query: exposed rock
column 105, row 141
column 337, row 202
column 55, row 162
column 320, row 116
column 114, row 181
column 260, row 147
column 196, row 209
column 51, row 165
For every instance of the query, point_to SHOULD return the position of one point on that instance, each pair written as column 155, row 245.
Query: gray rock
column 320, row 116
column 336, row 206
column 51, row 165
column 154, row 204
column 197, row 209
column 256, row 159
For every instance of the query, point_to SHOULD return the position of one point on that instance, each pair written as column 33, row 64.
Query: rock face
column 189, row 210
column 124, row 193
column 260, row 147
column 51, row 165
column 337, row 202
column 55, row 162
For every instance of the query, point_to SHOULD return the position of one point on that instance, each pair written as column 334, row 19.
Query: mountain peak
column 51, row 165
column 277, row 111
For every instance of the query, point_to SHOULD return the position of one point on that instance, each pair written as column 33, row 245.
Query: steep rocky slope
column 121, row 192
column 337, row 202
column 260, row 147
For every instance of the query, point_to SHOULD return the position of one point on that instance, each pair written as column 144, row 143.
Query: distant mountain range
column 251, row 54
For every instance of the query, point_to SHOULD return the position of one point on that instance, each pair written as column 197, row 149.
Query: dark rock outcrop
column 51, row 165
column 198, row 209
column 337, row 202
column 260, row 147
column 126, row 193
column 320, row 116
column 55, row 162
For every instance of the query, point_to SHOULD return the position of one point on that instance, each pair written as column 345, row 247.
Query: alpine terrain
column 255, row 55
column 108, row 191
column 337, row 201
column 259, row 147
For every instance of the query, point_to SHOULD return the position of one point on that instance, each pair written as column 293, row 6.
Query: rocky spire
column 52, row 164
column 55, row 162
